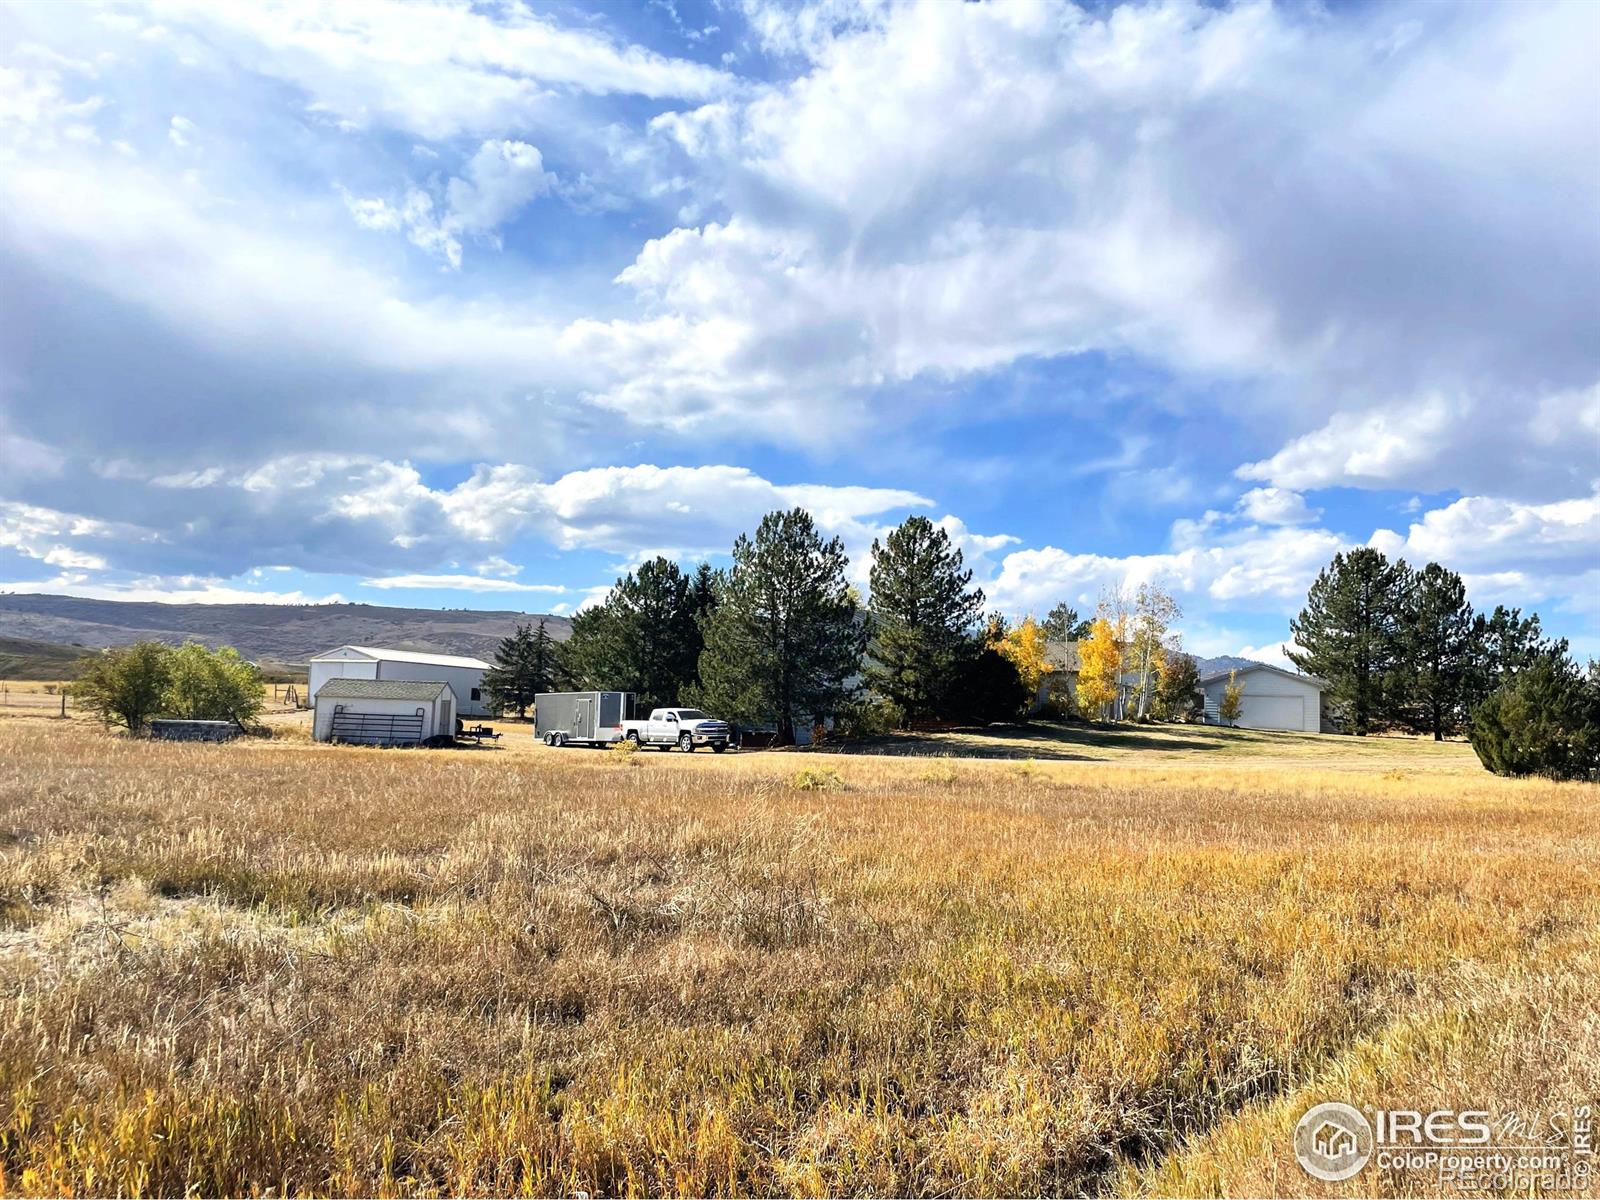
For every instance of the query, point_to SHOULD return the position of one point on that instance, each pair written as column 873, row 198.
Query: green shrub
column 1545, row 720
column 868, row 718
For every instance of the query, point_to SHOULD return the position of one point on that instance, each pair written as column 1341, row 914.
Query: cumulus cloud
column 1275, row 506
column 499, row 180
column 1483, row 534
column 1222, row 189
column 1266, row 570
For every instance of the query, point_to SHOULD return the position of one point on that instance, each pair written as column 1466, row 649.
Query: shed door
column 1272, row 712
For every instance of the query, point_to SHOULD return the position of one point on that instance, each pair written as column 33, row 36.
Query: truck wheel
column 686, row 743
column 633, row 736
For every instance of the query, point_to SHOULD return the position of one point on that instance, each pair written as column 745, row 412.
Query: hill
column 1224, row 662
column 270, row 633
column 23, row 658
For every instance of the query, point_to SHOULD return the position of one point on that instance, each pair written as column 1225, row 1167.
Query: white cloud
column 1275, row 506
column 156, row 590
column 461, row 583
column 498, row 566
column 646, row 509
column 1484, row 534
column 438, row 69
column 1263, row 570
column 501, row 178
column 47, row 534
column 180, row 131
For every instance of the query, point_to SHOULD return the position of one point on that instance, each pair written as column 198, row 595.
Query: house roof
column 1063, row 655
column 383, row 654
column 1250, row 670
column 381, row 689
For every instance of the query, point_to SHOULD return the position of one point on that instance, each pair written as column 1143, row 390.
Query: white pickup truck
column 684, row 728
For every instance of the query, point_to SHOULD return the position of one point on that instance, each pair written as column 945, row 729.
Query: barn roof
column 1311, row 679
column 384, row 654
column 381, row 689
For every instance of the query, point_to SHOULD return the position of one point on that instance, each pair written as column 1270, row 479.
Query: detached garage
column 464, row 675
column 383, row 712
column 1273, row 699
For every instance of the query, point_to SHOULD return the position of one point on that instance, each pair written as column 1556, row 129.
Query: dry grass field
column 273, row 966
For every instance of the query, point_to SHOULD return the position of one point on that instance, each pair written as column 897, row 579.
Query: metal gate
column 377, row 729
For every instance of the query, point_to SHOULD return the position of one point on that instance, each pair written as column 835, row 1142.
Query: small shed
column 383, row 712
column 1272, row 699
column 464, row 675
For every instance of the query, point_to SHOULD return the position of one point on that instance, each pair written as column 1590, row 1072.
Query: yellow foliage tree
column 1025, row 647
column 1232, row 699
column 1099, row 668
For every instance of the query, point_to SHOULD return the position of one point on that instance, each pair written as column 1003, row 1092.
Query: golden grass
column 299, row 968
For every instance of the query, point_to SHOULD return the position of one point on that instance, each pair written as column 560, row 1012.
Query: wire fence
column 42, row 699
column 56, row 700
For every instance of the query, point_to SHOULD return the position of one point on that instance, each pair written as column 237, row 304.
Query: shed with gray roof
column 383, row 712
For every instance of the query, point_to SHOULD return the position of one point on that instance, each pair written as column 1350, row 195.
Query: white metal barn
column 1273, row 699
column 382, row 712
column 464, row 675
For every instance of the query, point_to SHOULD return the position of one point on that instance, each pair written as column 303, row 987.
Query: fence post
column 63, row 704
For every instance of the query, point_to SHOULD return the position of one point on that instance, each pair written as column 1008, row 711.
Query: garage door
column 1272, row 712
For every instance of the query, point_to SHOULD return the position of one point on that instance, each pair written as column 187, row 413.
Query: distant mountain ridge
column 285, row 634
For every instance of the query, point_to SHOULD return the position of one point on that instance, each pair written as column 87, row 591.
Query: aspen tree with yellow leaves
column 1100, row 668
column 1025, row 647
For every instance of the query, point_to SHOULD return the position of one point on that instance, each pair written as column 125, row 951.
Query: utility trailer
column 580, row 718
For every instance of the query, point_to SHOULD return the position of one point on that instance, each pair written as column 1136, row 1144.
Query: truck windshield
column 691, row 714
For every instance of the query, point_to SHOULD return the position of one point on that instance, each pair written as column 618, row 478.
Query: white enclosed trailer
column 464, row 675
column 580, row 718
column 383, row 712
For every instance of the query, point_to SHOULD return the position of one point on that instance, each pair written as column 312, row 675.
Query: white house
column 383, row 712
column 1273, row 698
column 464, row 675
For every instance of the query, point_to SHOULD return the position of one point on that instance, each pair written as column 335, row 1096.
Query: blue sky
column 477, row 305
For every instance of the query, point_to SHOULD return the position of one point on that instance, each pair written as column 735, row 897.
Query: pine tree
column 1435, row 649
column 1502, row 645
column 1542, row 720
column 1062, row 624
column 524, row 665
column 1349, row 633
column 645, row 638
column 787, row 633
column 922, row 612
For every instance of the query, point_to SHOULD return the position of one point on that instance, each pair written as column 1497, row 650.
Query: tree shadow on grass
column 1048, row 741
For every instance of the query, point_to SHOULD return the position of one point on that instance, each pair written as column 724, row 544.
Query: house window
column 477, row 694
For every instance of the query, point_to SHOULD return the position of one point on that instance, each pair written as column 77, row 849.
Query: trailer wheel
column 686, row 743
column 561, row 739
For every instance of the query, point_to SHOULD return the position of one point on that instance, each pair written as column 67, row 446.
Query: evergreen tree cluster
column 1402, row 648
column 781, row 637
